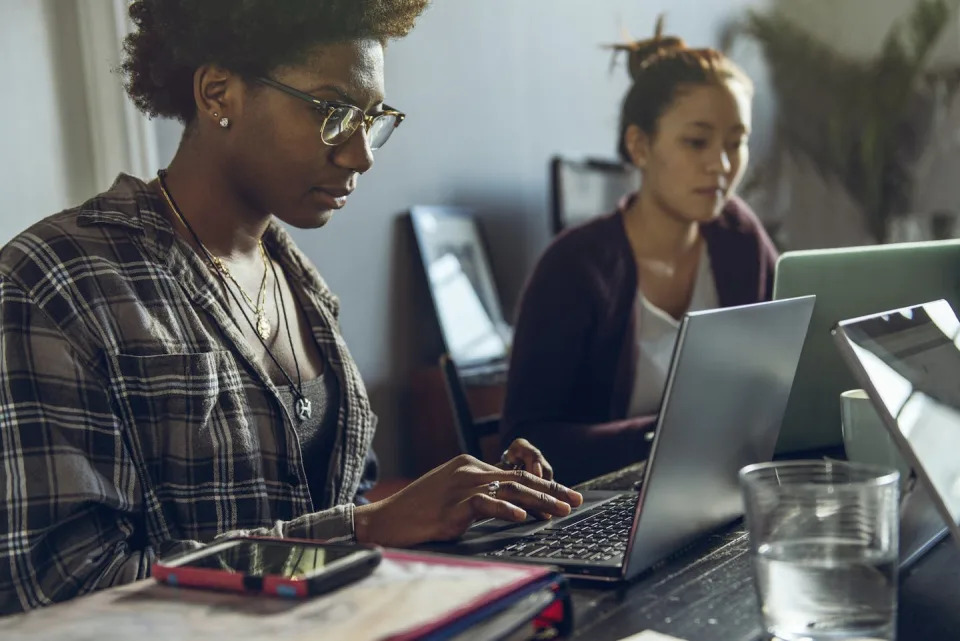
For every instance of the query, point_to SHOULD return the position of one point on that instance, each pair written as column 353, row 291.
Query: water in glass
column 827, row 588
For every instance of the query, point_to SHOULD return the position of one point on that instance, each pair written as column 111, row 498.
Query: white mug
column 865, row 437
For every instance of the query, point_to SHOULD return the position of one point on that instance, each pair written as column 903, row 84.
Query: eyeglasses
column 342, row 120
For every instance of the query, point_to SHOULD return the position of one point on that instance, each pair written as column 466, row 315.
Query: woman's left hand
column 524, row 456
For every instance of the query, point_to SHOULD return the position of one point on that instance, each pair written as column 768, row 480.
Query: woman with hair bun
column 600, row 314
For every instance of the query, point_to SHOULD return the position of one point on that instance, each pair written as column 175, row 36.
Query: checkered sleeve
column 334, row 525
column 67, row 478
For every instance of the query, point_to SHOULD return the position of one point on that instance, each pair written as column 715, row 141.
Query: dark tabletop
column 705, row 592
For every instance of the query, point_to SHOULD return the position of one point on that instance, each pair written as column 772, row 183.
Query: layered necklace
column 261, row 328
column 259, row 308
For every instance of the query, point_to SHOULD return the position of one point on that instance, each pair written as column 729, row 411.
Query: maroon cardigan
column 574, row 351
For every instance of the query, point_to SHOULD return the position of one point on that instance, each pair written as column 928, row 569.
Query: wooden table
column 706, row 593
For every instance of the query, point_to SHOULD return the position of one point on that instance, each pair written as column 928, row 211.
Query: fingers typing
column 549, row 487
column 484, row 506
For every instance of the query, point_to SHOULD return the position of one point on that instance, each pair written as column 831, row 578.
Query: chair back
column 469, row 429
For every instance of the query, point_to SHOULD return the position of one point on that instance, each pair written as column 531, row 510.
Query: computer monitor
column 848, row 283
column 461, row 285
column 585, row 188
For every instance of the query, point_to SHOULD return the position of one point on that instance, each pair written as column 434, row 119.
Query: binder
column 411, row 596
column 538, row 600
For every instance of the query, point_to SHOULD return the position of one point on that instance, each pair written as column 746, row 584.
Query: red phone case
column 271, row 584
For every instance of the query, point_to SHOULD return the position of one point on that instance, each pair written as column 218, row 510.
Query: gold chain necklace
column 259, row 308
column 304, row 408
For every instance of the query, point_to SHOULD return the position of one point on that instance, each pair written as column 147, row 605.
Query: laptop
column 851, row 282
column 463, row 292
column 908, row 361
column 726, row 390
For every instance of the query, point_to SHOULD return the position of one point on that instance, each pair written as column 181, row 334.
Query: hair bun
column 640, row 53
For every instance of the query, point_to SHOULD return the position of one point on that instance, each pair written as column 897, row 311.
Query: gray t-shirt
column 318, row 434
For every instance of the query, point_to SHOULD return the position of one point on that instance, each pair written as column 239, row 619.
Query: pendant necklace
column 303, row 407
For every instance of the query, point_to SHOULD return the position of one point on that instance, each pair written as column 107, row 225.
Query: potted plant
column 862, row 124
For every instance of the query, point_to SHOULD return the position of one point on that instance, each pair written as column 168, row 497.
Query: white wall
column 45, row 162
column 66, row 126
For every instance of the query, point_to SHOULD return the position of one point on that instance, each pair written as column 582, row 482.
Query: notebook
column 409, row 596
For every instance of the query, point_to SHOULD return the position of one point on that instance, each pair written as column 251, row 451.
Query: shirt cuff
column 334, row 525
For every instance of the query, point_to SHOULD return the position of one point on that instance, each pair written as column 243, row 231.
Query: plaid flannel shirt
column 134, row 419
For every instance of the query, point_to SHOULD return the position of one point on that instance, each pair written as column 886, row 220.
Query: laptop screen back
column 849, row 283
column 726, row 391
column 910, row 362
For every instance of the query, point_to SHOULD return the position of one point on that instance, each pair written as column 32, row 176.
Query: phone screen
column 262, row 558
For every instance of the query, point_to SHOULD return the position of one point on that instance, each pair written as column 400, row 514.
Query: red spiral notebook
column 410, row 596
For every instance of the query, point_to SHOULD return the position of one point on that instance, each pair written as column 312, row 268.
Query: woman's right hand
column 443, row 503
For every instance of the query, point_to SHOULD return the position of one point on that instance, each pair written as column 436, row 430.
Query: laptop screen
column 584, row 189
column 911, row 359
column 461, row 284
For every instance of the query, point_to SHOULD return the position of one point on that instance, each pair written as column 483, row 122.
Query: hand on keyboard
column 443, row 503
column 601, row 536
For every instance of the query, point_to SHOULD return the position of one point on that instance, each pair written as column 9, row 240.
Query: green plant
column 864, row 123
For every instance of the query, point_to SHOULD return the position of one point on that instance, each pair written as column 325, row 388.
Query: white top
column 656, row 335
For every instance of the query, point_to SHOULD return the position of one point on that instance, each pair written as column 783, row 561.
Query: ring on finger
column 492, row 488
column 506, row 463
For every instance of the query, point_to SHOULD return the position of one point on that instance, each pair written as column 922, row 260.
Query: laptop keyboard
column 486, row 374
column 601, row 536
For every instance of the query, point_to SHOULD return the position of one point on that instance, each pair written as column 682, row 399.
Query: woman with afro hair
column 173, row 369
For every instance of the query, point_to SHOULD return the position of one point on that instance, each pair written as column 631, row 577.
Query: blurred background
column 856, row 140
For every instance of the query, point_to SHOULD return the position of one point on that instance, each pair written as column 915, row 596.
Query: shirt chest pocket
column 185, row 409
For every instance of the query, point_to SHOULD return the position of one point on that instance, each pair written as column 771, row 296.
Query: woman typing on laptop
column 173, row 369
column 600, row 314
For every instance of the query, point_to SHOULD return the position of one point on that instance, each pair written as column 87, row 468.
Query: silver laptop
column 908, row 360
column 726, row 390
column 851, row 282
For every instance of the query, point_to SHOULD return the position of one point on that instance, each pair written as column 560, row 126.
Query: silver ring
column 492, row 488
column 506, row 463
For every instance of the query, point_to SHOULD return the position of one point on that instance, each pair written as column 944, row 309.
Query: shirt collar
column 131, row 203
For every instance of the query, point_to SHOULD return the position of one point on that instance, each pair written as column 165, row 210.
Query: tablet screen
column 911, row 359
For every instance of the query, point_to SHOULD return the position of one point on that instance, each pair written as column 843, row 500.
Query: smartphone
column 280, row 567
